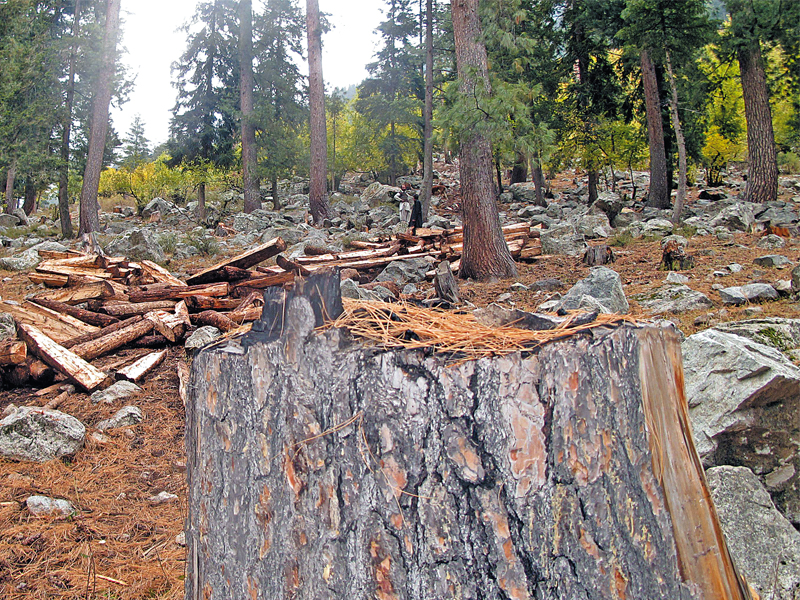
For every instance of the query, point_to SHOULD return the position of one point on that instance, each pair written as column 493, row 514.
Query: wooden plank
column 243, row 261
column 354, row 255
column 174, row 292
column 87, row 316
column 64, row 361
column 56, row 255
column 78, row 295
column 111, row 341
column 160, row 274
column 142, row 367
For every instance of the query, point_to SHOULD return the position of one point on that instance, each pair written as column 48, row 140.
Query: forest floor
column 120, row 544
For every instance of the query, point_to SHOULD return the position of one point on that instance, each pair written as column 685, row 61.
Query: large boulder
column 736, row 217
column 764, row 545
column 752, row 292
column 675, row 299
column 39, row 435
column 604, row 286
column 137, row 244
column 30, row 258
column 783, row 334
column 410, row 270
column 593, row 226
column 744, row 402
column 563, row 240
column 525, row 192
column 170, row 213
column 377, row 193
column 258, row 220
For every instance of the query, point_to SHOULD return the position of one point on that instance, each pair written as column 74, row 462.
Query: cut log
column 214, row 319
column 201, row 303
column 129, row 309
column 445, row 284
column 13, row 353
column 169, row 325
column 290, row 266
column 182, row 311
column 356, row 255
column 57, row 255
column 51, row 267
column 243, row 261
column 266, row 281
column 246, row 316
column 142, row 367
column 32, row 371
column 87, row 316
column 565, row 473
column 77, row 295
column 111, row 341
column 55, row 325
column 235, row 274
column 72, row 366
column 160, row 274
column 175, row 292
column 51, row 280
column 101, row 332
column 151, row 341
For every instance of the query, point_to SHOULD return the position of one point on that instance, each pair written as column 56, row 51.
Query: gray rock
column 202, row 338
column 29, row 259
column 764, row 545
column 735, row 268
column 22, row 216
column 772, row 260
column 495, row 315
column 163, row 498
column 525, row 192
column 593, row 226
column 125, row 417
column 349, row 289
column 118, row 391
column 736, row 217
column 604, row 286
column 377, row 193
column 410, row 270
column 782, row 334
column 675, row 299
column 673, row 277
column 752, row 292
column 771, row 242
column 254, row 222
column 550, row 284
column 39, row 435
column 610, row 203
column 8, row 221
column 744, row 403
column 137, row 244
column 563, row 240
column 161, row 206
column 8, row 329
column 42, row 506
column 657, row 227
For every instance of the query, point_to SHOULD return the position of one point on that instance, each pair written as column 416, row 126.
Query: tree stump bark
column 320, row 468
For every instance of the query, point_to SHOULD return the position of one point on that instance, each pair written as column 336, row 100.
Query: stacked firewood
column 96, row 306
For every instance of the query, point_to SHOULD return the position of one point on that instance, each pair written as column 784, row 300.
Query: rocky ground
column 737, row 306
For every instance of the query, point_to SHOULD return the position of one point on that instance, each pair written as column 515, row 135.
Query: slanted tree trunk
column 29, row 206
column 659, row 195
column 63, row 170
column 90, row 208
column 252, row 195
column 427, row 161
column 680, row 199
column 762, row 177
column 485, row 254
column 318, row 192
column 11, row 176
column 321, row 468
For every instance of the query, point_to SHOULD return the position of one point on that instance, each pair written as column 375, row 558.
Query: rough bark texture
column 63, row 169
column 762, row 178
column 89, row 217
column 659, row 195
column 252, row 195
column 680, row 199
column 201, row 202
column 30, row 197
column 485, row 254
column 11, row 201
column 427, row 160
column 319, row 468
column 318, row 192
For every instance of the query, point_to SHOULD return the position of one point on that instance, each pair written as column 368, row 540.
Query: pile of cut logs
column 96, row 306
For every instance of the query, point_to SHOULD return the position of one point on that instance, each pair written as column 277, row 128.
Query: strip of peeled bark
column 486, row 254
column 320, row 468
column 762, row 177
column 659, row 195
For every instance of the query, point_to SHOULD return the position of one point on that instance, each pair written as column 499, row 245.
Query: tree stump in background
column 320, row 468
column 598, row 255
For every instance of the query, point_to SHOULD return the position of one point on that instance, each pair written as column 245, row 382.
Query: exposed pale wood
column 350, row 256
column 111, row 341
column 175, row 292
column 201, row 303
column 290, row 266
column 243, row 261
column 51, row 280
column 182, row 311
column 56, row 326
column 63, row 360
column 128, row 309
column 56, row 387
column 266, row 281
column 78, row 295
column 247, row 315
column 159, row 273
column 56, row 255
column 81, row 260
column 81, row 339
column 55, row 402
column 48, row 267
column 169, row 325
column 214, row 319
column 87, row 316
column 445, row 283
column 13, row 352
column 361, row 245
column 142, row 367
column 183, row 381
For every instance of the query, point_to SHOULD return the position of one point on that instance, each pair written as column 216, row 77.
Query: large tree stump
column 320, row 468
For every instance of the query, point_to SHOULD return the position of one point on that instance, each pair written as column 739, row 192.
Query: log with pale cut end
column 142, row 367
column 160, row 274
column 171, row 326
column 242, row 261
column 13, row 352
column 214, row 319
column 323, row 468
column 111, row 341
column 175, row 292
column 61, row 359
column 55, row 325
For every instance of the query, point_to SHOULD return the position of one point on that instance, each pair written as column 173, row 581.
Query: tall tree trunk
column 427, row 152
column 11, row 201
column 486, row 254
column 762, row 178
column 519, row 173
column 659, row 196
column 30, row 197
column 276, row 200
column 252, row 195
column 680, row 199
column 583, row 77
column 318, row 192
column 201, row 202
column 66, row 129
column 90, row 208
column 594, row 179
column 538, row 180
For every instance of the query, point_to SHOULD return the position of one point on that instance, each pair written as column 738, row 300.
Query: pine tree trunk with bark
column 762, row 177
column 30, row 197
column 11, row 177
column 201, row 202
column 63, row 170
column 659, row 195
column 683, row 168
column 519, row 172
column 252, row 195
column 427, row 161
column 90, row 207
column 485, row 254
column 322, row 468
column 318, row 192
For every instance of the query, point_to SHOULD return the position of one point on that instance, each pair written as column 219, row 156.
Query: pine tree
column 136, row 149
